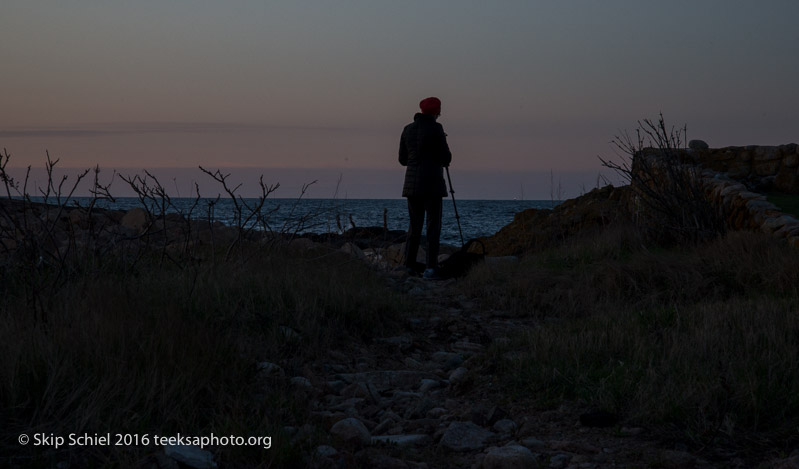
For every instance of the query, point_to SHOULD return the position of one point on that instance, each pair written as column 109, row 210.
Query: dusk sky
column 532, row 91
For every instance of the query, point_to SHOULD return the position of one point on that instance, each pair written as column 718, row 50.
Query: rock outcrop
column 535, row 229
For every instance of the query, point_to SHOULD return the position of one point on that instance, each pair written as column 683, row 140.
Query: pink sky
column 322, row 89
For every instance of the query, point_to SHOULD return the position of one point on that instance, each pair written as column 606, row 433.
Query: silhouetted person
column 424, row 150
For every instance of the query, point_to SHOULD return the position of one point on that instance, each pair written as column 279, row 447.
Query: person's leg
column 416, row 217
column 433, row 207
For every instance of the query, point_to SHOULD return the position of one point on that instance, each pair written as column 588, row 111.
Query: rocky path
column 423, row 399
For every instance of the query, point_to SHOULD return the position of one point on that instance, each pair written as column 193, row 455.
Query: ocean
column 477, row 217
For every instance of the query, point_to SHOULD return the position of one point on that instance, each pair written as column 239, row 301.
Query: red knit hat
column 430, row 106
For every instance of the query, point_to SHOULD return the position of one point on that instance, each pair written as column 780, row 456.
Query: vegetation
column 167, row 350
column 104, row 330
column 162, row 332
column 670, row 205
column 702, row 340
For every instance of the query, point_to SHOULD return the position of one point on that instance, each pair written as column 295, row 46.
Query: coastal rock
column 191, row 456
column 301, row 382
column 325, row 451
column 136, row 219
column 535, row 229
column 351, row 432
column 386, row 379
column 465, row 436
column 371, row 457
column 559, row 460
column 509, row 457
column 447, row 360
column 403, row 441
column 457, row 376
column 504, row 426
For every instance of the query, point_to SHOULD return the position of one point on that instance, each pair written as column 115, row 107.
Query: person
column 424, row 151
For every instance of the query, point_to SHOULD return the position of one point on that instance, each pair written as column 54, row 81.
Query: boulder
column 191, row 456
column 351, row 432
column 505, row 426
column 465, row 436
column 698, row 145
column 509, row 457
column 136, row 219
column 535, row 229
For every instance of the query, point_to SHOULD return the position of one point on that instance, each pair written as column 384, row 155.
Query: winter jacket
column 424, row 150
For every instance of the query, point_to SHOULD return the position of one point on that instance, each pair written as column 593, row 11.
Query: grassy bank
column 167, row 348
column 701, row 343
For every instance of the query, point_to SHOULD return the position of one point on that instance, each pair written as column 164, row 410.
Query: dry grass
column 174, row 349
column 702, row 340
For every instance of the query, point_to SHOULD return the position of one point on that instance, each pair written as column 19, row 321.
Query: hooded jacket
column 424, row 150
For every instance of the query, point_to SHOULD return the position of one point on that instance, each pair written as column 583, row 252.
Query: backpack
column 460, row 262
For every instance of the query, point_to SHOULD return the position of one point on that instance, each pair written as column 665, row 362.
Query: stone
column 191, row 456
column 746, row 195
column 351, row 432
column 335, row 386
column 371, row 457
column 136, row 219
column 301, row 382
column 505, row 426
column 465, row 436
column 388, row 379
column 766, row 161
column 559, row 460
column 384, row 425
column 458, row 375
column 466, row 347
column 447, row 360
column 420, row 409
column 698, row 145
column 509, row 457
column 325, row 451
column 772, row 224
column 428, row 385
column 756, row 205
column 534, row 443
column 630, row 431
column 676, row 458
column 403, row 441
column 411, row 363
column 487, row 416
column 733, row 189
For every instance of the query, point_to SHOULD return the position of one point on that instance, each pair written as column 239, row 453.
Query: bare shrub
column 671, row 204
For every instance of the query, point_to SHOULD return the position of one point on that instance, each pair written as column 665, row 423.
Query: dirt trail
column 425, row 398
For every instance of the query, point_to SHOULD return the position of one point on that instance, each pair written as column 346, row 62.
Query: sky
column 532, row 91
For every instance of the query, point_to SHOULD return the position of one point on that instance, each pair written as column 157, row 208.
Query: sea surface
column 477, row 217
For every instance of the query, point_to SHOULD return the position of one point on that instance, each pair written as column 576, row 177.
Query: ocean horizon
column 328, row 215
